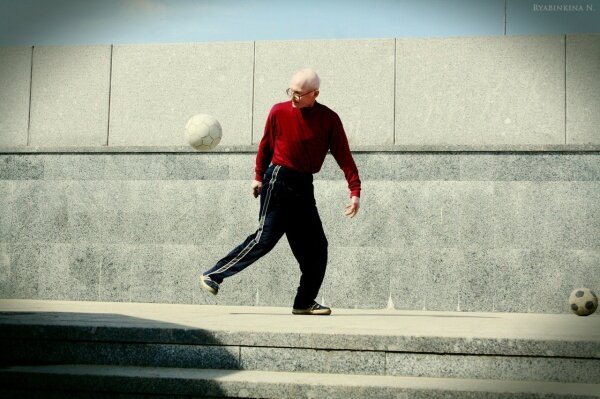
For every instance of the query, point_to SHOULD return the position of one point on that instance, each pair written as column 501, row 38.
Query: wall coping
column 357, row 148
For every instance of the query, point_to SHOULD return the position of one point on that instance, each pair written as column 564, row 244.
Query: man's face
column 302, row 96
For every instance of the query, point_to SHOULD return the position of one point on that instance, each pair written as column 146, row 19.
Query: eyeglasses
column 292, row 94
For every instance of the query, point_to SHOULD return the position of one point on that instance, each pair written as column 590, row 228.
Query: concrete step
column 524, row 368
column 526, row 347
column 269, row 384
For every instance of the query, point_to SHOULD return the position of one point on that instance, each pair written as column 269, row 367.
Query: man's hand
column 256, row 187
column 352, row 207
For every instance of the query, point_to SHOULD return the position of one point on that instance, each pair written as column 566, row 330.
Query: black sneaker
column 209, row 285
column 315, row 309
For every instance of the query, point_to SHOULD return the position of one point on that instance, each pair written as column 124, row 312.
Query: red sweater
column 300, row 138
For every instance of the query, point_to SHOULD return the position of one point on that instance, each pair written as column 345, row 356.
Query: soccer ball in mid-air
column 203, row 132
column 583, row 301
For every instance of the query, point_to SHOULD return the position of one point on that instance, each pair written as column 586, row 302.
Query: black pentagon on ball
column 579, row 294
column 574, row 306
column 589, row 305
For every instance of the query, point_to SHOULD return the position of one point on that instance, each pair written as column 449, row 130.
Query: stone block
column 426, row 278
column 480, row 90
column 557, row 214
column 156, row 88
column 69, row 95
column 117, row 275
column 341, row 65
column 149, row 280
column 531, row 280
column 357, row 277
column 198, row 166
column 493, row 367
column 181, row 268
column 420, row 166
column 117, row 353
column 38, row 212
column 21, row 167
column 475, row 217
column 6, row 209
column 241, row 166
column 426, row 214
column 21, row 266
column 135, row 166
column 277, row 276
column 313, row 361
column 551, row 276
column 373, row 224
column 196, row 212
column 15, row 85
column 583, row 89
column 480, row 279
column 530, row 167
column 75, row 166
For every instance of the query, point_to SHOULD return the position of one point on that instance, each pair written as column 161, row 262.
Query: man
column 298, row 134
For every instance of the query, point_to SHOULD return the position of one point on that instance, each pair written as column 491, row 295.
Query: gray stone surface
column 276, row 277
column 15, row 167
column 450, row 231
column 119, row 353
column 357, row 277
column 250, row 383
column 252, row 148
column 480, row 90
column 6, row 188
column 461, row 333
column 15, row 85
column 530, row 167
column 312, row 361
column 156, row 88
column 441, row 277
column 558, row 214
column 347, row 68
column 583, row 89
column 70, row 95
column 21, row 264
column 506, row 92
column 583, row 371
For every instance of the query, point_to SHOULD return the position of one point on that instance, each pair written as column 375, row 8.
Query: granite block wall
column 583, row 89
column 70, row 89
column 517, row 90
column 155, row 89
column 15, row 86
column 491, row 90
column 466, row 231
column 479, row 160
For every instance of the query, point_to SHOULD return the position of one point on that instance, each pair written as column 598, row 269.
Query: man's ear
column 316, row 93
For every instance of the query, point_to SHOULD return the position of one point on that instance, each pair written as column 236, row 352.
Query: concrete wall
column 525, row 90
column 438, row 231
column 101, row 199
column 15, row 85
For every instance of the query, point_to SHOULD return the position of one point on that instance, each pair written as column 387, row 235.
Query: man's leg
column 270, row 229
column 309, row 245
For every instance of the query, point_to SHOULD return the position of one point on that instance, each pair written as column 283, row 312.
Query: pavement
column 344, row 322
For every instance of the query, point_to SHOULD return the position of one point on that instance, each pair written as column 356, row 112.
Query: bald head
column 305, row 86
column 305, row 79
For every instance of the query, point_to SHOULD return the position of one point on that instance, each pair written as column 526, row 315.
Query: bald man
column 297, row 136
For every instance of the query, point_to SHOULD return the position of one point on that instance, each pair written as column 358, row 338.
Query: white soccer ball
column 583, row 301
column 203, row 132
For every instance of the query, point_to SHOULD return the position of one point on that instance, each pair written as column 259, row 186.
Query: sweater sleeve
column 341, row 152
column 265, row 148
